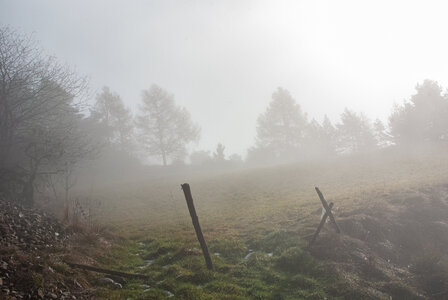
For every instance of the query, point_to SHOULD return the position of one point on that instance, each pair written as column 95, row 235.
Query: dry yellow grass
column 273, row 197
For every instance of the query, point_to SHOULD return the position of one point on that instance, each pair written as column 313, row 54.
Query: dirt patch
column 394, row 247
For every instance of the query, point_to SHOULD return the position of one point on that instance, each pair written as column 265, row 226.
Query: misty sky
column 223, row 59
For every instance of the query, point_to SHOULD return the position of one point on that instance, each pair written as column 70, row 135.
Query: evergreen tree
column 422, row 119
column 281, row 129
column 355, row 133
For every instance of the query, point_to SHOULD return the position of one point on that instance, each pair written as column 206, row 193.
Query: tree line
column 47, row 127
column 284, row 132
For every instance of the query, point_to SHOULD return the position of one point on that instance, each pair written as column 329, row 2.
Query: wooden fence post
column 327, row 209
column 197, row 227
column 321, row 225
column 328, row 213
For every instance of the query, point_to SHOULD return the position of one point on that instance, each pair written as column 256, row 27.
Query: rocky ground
column 33, row 248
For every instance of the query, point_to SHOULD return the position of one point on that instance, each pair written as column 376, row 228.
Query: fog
column 305, row 141
column 222, row 60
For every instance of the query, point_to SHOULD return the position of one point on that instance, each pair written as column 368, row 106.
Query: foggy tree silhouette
column 165, row 129
column 113, row 122
column 329, row 136
column 280, row 129
column 219, row 152
column 424, row 118
column 355, row 133
column 40, row 120
column 382, row 136
column 320, row 140
column 200, row 157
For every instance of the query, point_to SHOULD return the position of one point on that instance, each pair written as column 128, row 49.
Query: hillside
column 392, row 212
column 272, row 197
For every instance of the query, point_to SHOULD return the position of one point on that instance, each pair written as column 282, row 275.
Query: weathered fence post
column 321, row 225
column 197, row 227
column 327, row 209
column 328, row 213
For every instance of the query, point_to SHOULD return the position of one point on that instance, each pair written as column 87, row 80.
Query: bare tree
column 165, row 129
column 54, row 146
column 113, row 120
column 39, row 112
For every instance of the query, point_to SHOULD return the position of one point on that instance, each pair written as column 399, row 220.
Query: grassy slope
column 268, row 211
column 261, row 198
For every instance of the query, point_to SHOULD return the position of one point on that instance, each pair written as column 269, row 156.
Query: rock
column 248, row 255
column 77, row 283
column 118, row 286
column 28, row 228
column 105, row 281
column 53, row 296
column 117, row 279
column 169, row 294
column 109, row 282
column 40, row 293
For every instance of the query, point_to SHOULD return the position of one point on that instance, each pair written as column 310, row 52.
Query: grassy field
column 256, row 223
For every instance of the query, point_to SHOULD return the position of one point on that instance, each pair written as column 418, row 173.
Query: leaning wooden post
column 327, row 209
column 197, row 227
column 321, row 225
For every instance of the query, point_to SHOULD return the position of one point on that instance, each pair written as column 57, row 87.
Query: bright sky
column 223, row 59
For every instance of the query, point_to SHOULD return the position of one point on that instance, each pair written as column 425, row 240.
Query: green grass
column 255, row 223
column 179, row 268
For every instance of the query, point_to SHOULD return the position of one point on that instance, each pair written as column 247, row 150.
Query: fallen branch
column 106, row 271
